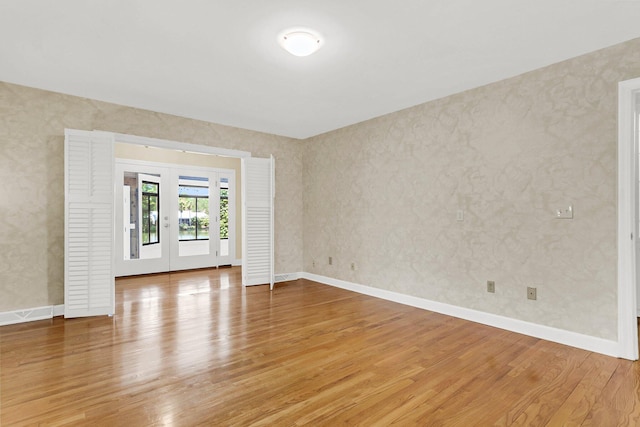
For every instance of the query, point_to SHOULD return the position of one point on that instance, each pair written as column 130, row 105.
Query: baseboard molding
column 561, row 336
column 285, row 277
column 30, row 314
column 58, row 310
column 573, row 339
column 236, row 263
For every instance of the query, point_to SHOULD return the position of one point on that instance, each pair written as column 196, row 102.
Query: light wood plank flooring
column 195, row 348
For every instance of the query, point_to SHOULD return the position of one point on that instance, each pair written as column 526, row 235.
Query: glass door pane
column 193, row 216
column 149, row 216
column 150, row 213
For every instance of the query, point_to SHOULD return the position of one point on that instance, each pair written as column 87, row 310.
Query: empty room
column 319, row 213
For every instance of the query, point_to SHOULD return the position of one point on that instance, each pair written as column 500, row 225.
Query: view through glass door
column 147, row 218
column 173, row 218
column 192, row 243
column 226, row 227
column 142, row 220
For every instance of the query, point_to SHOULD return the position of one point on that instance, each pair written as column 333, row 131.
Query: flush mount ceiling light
column 300, row 42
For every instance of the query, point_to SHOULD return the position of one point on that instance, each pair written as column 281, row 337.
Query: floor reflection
column 194, row 324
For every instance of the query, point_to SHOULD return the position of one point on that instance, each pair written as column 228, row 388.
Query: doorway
column 628, row 217
column 172, row 217
column 90, row 226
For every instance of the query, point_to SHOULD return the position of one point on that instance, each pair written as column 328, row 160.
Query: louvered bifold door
column 257, row 221
column 89, row 280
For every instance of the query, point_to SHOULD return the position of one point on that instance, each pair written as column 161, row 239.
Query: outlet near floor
column 491, row 286
column 532, row 293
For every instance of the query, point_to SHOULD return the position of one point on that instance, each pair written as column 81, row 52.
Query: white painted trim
column 272, row 240
column 627, row 220
column 176, row 145
column 26, row 315
column 237, row 262
column 148, row 164
column 285, row 277
column 58, row 310
column 561, row 336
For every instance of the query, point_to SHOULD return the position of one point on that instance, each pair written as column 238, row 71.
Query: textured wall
column 384, row 194
column 32, row 124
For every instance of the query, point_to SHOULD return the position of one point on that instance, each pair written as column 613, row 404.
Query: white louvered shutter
column 89, row 286
column 257, row 221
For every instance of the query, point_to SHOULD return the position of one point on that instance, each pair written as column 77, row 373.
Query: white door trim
column 177, row 145
column 170, row 261
column 627, row 218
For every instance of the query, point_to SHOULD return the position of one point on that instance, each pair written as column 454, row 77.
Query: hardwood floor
column 195, row 348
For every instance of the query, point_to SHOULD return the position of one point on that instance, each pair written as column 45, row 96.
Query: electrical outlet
column 491, row 286
column 313, row 263
column 532, row 293
column 565, row 213
column 353, row 266
column 330, row 260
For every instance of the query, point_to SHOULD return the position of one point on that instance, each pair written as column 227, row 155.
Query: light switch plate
column 565, row 213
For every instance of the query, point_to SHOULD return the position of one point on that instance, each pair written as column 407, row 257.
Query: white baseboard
column 30, row 314
column 58, row 310
column 285, row 277
column 236, row 262
column 573, row 339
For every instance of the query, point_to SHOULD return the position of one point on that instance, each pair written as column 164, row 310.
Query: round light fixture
column 300, row 42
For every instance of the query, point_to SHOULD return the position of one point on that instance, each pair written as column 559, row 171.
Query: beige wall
column 32, row 124
column 384, row 194
column 160, row 155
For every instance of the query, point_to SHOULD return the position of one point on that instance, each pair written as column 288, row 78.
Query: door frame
column 628, row 216
column 167, row 170
column 122, row 266
column 214, row 176
column 176, row 145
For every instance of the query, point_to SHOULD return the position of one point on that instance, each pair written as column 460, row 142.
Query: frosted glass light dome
column 300, row 42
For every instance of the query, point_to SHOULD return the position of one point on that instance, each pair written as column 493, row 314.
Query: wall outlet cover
column 565, row 213
column 491, row 286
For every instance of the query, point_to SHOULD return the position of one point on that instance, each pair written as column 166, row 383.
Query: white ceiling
column 220, row 61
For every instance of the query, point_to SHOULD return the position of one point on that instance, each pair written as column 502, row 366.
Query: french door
column 172, row 217
column 204, row 232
